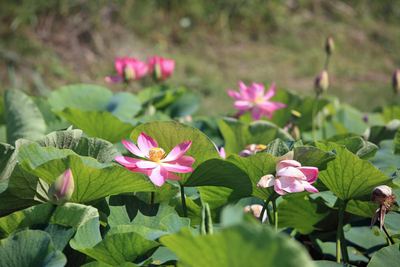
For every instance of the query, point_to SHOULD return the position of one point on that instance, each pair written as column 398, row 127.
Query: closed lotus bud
column 129, row 74
column 329, row 45
column 322, row 82
column 62, row 188
column 396, row 81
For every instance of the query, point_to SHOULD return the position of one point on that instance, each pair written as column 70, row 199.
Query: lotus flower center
column 156, row 154
column 259, row 100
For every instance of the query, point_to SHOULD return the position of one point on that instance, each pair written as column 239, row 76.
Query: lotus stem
column 275, row 214
column 152, row 198
column 264, row 209
column 183, row 199
column 314, row 115
column 389, row 238
column 341, row 248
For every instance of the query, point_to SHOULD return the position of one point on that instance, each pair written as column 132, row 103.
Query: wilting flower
column 252, row 149
column 385, row 198
column 128, row 69
column 62, row 188
column 154, row 162
column 161, row 67
column 321, row 82
column 254, row 99
column 290, row 177
column 256, row 210
column 396, row 81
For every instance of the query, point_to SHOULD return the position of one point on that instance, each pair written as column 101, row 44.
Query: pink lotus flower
column 128, row 69
column 254, row 99
column 161, row 67
column 154, row 162
column 290, row 177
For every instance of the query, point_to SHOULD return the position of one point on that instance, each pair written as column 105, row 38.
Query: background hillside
column 46, row 44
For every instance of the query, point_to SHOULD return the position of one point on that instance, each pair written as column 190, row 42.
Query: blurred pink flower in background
column 254, row 99
column 154, row 162
column 291, row 177
column 128, row 69
column 162, row 68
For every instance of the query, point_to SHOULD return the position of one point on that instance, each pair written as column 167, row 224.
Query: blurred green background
column 45, row 44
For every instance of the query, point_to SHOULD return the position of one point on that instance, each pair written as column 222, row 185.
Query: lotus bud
column 129, row 74
column 62, row 188
column 329, row 45
column 256, row 210
column 322, row 82
column 383, row 196
column 396, row 81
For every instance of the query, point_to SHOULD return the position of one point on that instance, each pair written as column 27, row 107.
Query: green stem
column 390, row 239
column 183, row 199
column 326, row 65
column 313, row 118
column 152, row 197
column 275, row 214
column 264, row 208
column 341, row 248
column 338, row 249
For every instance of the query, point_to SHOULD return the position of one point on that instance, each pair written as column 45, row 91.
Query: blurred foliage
column 45, row 44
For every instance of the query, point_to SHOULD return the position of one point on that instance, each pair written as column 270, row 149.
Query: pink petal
column 278, row 188
column 222, row 153
column 157, row 177
column 256, row 90
column 291, row 185
column 291, row 172
column 146, row 143
column 145, row 164
column 308, row 187
column 133, row 148
column 184, row 161
column 287, row 163
column 167, row 67
column 311, row 173
column 235, row 95
column 271, row 107
column 176, row 168
column 243, row 105
column 256, row 113
column 244, row 90
column 120, row 65
column 266, row 181
column 126, row 161
column 271, row 92
column 178, row 151
column 113, row 79
column 172, row 176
